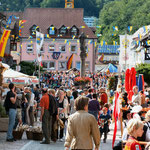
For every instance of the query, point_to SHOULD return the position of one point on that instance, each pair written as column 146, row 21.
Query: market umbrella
column 112, row 68
column 132, row 82
column 141, row 82
column 127, row 77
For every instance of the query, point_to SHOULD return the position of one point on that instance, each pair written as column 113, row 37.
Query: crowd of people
column 75, row 114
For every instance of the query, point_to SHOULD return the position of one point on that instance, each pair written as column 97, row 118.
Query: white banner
column 39, row 44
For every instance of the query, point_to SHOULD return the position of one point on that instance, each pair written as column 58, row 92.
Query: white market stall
column 18, row 78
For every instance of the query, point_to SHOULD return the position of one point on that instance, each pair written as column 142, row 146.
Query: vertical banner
column 39, row 43
column 69, row 63
column 3, row 42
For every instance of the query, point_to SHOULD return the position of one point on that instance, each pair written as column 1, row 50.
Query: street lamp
column 82, row 38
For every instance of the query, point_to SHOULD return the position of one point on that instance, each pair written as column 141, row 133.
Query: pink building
column 63, row 26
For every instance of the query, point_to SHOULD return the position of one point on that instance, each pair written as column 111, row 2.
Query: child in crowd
column 135, row 130
column 103, row 122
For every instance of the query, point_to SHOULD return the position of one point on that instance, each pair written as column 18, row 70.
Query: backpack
column 52, row 105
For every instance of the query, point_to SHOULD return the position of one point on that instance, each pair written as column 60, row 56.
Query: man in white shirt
column 136, row 99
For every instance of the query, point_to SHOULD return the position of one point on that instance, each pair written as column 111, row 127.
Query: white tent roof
column 5, row 66
column 141, row 32
column 13, row 74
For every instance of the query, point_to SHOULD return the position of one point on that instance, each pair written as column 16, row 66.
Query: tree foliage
column 91, row 7
column 145, row 70
column 123, row 13
column 29, row 67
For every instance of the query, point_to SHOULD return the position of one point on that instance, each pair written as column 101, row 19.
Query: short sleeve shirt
column 132, row 144
column 10, row 95
column 45, row 101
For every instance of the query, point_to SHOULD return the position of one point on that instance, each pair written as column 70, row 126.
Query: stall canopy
column 10, row 75
column 112, row 68
column 13, row 74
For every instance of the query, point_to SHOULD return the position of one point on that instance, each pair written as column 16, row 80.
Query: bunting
column 130, row 28
column 3, row 42
column 115, row 28
column 69, row 63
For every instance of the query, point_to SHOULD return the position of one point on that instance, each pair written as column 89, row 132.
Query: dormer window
column 33, row 30
column 51, row 30
column 74, row 31
column 63, row 30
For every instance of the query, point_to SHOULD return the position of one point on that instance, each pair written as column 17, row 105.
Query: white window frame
column 75, row 49
column 31, row 47
column 60, row 48
column 43, row 49
column 65, row 65
column 47, row 64
column 49, row 48
column 53, row 67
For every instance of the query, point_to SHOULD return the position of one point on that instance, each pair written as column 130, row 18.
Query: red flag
column 132, row 82
column 116, row 115
column 41, row 64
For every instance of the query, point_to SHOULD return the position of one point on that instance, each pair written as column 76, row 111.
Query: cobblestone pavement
column 25, row 144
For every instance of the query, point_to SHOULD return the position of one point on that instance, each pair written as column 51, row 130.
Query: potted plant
column 81, row 81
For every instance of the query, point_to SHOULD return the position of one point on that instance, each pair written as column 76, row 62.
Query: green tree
column 28, row 67
column 145, row 70
column 123, row 13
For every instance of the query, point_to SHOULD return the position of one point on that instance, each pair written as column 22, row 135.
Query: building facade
column 107, row 54
column 61, row 28
column 90, row 21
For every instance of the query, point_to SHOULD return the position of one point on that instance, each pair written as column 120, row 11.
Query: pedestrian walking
column 82, row 130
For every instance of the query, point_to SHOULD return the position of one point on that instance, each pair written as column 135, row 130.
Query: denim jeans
column 12, row 117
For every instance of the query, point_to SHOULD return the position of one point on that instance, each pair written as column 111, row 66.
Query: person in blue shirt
column 103, row 122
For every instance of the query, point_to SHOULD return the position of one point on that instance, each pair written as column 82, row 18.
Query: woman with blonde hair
column 135, row 130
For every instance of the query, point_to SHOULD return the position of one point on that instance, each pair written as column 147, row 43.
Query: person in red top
column 135, row 129
column 103, row 96
column 45, row 116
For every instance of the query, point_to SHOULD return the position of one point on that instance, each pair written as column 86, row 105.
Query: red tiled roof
column 45, row 17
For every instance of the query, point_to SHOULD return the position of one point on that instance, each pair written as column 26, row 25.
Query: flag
column 145, row 29
column 116, row 115
column 9, row 20
column 102, row 43
column 114, row 34
column 115, row 28
column 114, row 43
column 98, row 26
column 130, row 28
column 82, row 27
column 69, row 63
column 39, row 43
column 3, row 42
column 41, row 64
column 101, row 58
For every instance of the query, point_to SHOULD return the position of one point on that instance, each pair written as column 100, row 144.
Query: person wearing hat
column 103, row 122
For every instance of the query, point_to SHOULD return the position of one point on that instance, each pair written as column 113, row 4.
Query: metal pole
column 39, row 73
column 125, row 49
